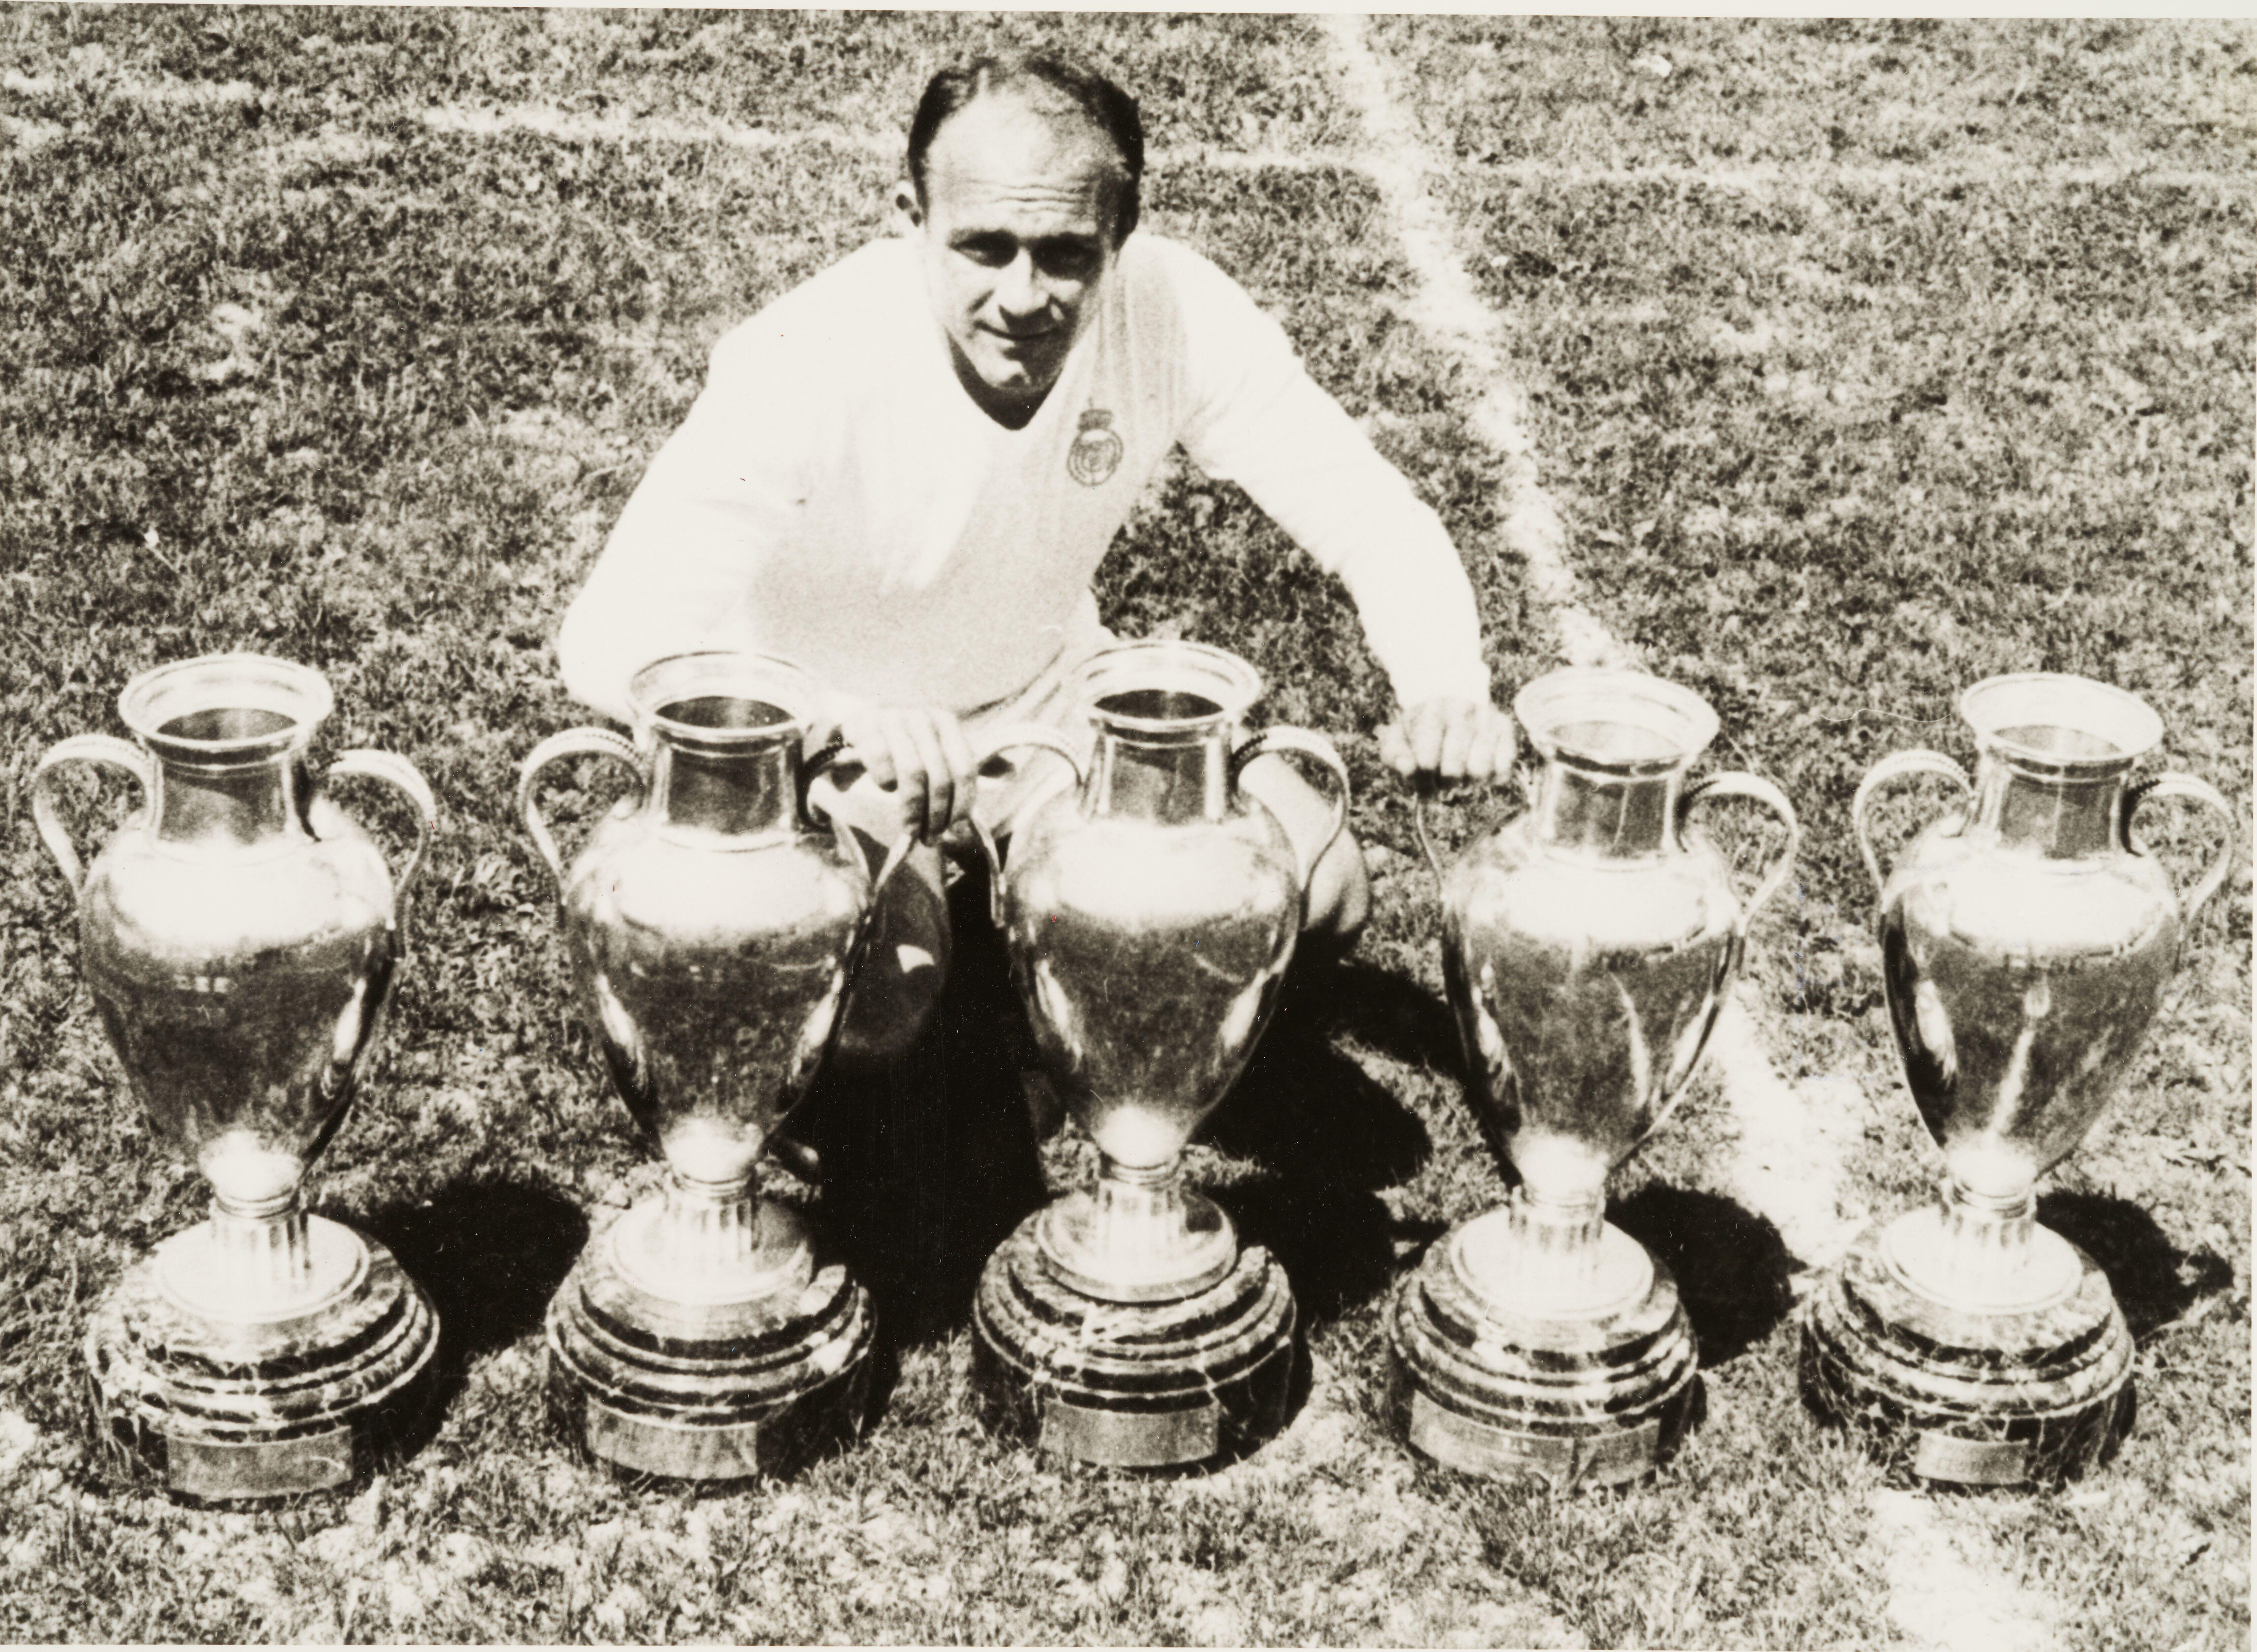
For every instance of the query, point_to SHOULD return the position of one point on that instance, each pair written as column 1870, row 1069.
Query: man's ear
column 908, row 216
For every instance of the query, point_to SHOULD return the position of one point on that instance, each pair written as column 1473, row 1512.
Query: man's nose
column 1020, row 289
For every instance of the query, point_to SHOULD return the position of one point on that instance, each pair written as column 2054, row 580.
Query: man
column 903, row 475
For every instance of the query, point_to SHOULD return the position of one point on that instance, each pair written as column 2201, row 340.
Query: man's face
column 1016, row 232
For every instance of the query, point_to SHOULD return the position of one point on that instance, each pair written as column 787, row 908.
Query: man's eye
column 992, row 249
column 1070, row 262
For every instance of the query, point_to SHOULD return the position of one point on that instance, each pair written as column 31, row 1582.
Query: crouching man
column 902, row 476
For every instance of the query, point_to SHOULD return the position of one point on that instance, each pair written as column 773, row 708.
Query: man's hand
column 1453, row 740
column 919, row 753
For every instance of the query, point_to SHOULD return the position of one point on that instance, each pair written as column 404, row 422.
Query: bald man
column 903, row 474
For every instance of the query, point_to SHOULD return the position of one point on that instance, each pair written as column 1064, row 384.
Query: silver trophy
column 1149, row 913
column 713, row 929
column 2026, row 944
column 239, row 937
column 1586, row 948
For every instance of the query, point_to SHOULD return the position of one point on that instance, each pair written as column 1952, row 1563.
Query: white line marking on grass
column 1786, row 1166
column 1787, row 1162
column 1939, row 1601
column 1449, row 308
column 561, row 126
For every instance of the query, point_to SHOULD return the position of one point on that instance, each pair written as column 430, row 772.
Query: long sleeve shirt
column 835, row 497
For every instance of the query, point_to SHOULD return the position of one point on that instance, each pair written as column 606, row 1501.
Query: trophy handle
column 402, row 776
column 1419, row 795
column 1892, row 767
column 105, row 749
column 1011, row 735
column 2177, row 785
column 1755, row 790
column 813, row 814
column 1304, row 743
column 573, row 742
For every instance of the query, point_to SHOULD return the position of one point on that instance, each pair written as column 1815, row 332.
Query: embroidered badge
column 1096, row 452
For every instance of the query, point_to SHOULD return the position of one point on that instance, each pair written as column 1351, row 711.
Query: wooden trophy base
column 1576, row 1399
column 653, row 1387
column 1183, row 1385
column 227, row 1411
column 1961, row 1395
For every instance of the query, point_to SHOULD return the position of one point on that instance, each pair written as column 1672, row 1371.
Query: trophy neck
column 1616, row 745
column 2060, row 813
column 1164, row 713
column 749, row 790
column 725, row 729
column 229, row 732
column 235, row 805
column 1592, row 811
column 2054, row 754
column 1171, row 780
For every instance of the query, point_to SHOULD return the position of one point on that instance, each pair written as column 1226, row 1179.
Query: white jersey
column 837, row 498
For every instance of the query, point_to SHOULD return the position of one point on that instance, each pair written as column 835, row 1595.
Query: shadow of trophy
column 1586, row 948
column 238, row 936
column 2026, row 943
column 1149, row 913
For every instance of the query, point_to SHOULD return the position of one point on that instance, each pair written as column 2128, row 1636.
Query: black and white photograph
column 1114, row 827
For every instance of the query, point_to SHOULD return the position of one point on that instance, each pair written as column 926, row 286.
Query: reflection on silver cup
column 2026, row 946
column 238, row 936
column 1150, row 913
column 1586, row 948
column 713, row 931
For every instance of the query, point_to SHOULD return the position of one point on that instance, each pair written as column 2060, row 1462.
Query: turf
column 1865, row 360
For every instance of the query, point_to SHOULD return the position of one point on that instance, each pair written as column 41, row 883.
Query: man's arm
column 721, row 493
column 1259, row 420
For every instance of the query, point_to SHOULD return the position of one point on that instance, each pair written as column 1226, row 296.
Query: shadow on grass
column 928, row 1167
column 1732, row 1265
column 489, row 1252
column 1326, row 1135
column 1392, row 1013
column 2155, row 1281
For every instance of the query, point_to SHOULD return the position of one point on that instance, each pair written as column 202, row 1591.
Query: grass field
column 1862, row 361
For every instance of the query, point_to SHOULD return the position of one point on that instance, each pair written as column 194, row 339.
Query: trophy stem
column 704, row 1243
column 1138, row 1209
column 260, row 1256
column 1981, row 1252
column 1989, row 1240
column 710, row 1229
column 1551, row 1245
column 1138, row 1235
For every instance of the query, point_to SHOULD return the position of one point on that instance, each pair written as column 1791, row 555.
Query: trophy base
column 652, row 1387
column 222, row 1411
column 1573, row 1398
column 1183, row 1385
column 1962, row 1394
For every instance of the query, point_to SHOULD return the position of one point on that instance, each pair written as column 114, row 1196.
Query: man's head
column 1023, row 175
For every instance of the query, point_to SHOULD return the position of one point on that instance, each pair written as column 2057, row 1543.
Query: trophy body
column 1149, row 914
column 706, row 1335
column 238, row 937
column 2025, row 945
column 1586, row 950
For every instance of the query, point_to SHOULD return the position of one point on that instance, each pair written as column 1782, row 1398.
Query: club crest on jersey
column 1096, row 452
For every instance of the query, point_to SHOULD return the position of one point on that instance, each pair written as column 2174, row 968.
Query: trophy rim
column 768, row 679
column 2131, row 727
column 152, row 700
column 1227, row 679
column 1536, row 708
